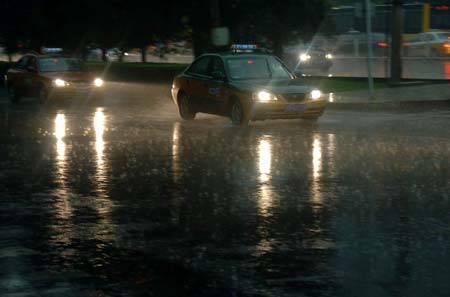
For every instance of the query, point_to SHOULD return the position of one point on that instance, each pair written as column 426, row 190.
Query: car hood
column 70, row 76
column 288, row 86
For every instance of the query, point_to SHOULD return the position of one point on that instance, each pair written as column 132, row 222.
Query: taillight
column 382, row 44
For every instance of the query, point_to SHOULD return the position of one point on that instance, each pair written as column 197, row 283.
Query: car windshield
column 61, row 64
column 443, row 35
column 242, row 68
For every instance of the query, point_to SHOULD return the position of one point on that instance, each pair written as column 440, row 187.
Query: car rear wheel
column 237, row 114
column 13, row 95
column 185, row 108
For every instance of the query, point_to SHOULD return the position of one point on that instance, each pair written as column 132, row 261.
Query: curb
column 391, row 105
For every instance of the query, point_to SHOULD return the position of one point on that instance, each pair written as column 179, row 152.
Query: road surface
column 118, row 197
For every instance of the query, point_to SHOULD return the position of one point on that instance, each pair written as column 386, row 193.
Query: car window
column 31, row 62
column 61, row 64
column 429, row 37
column 200, row 67
column 443, row 36
column 256, row 68
column 216, row 65
column 23, row 62
column 277, row 69
column 248, row 68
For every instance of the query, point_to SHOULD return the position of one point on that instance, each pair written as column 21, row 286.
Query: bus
column 418, row 17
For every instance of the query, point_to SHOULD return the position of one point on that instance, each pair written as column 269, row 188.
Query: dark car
column 50, row 76
column 244, row 86
column 313, row 59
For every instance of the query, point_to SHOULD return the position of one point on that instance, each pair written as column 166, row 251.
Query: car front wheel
column 185, row 108
column 238, row 116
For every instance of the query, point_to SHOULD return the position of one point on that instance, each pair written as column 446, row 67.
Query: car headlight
column 60, row 83
column 315, row 94
column 264, row 96
column 329, row 56
column 98, row 82
column 304, row 57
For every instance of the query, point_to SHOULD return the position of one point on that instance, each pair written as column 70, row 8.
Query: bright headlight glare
column 329, row 56
column 264, row 96
column 98, row 82
column 304, row 57
column 59, row 82
column 315, row 94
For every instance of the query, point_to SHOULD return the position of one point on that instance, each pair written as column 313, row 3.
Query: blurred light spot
column 99, row 128
column 60, row 132
column 447, row 70
column 176, row 152
column 317, row 157
column 60, row 126
column 331, row 97
column 330, row 75
column 265, row 159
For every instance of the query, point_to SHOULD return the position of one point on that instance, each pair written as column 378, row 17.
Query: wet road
column 118, row 197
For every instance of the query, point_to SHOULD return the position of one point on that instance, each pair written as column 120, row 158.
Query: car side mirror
column 219, row 75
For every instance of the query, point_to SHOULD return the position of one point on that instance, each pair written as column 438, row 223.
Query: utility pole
column 369, row 47
column 396, row 42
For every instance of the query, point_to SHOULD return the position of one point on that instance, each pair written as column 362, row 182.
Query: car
column 313, row 59
column 51, row 76
column 429, row 44
column 244, row 85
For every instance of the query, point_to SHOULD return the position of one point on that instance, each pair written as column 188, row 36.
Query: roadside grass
column 165, row 72
column 343, row 84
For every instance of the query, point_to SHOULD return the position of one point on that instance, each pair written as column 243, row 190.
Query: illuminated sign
column 244, row 46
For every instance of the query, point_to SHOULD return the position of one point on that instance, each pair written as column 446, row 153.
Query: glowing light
column 59, row 82
column 331, row 97
column 60, row 133
column 304, row 57
column 315, row 94
column 60, row 126
column 99, row 128
column 265, row 160
column 98, row 82
column 317, row 157
column 176, row 152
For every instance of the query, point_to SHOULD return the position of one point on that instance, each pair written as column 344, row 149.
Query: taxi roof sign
column 245, row 47
column 52, row 50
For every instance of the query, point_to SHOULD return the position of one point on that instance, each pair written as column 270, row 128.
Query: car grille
column 294, row 97
column 79, row 84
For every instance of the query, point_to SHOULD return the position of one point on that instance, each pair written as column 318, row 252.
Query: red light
column 442, row 7
column 249, row 62
column 382, row 44
column 55, row 60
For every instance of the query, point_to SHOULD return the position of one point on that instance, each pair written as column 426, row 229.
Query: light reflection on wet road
column 119, row 197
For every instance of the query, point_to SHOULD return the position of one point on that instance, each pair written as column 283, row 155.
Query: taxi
column 244, row 85
column 50, row 76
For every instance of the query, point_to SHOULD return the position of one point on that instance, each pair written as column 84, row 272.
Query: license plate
column 295, row 107
column 83, row 91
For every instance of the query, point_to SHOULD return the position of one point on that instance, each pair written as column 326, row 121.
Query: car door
column 30, row 79
column 16, row 74
column 196, row 83
column 217, row 94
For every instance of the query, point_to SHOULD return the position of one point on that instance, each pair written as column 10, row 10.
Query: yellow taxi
column 51, row 76
column 244, row 85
